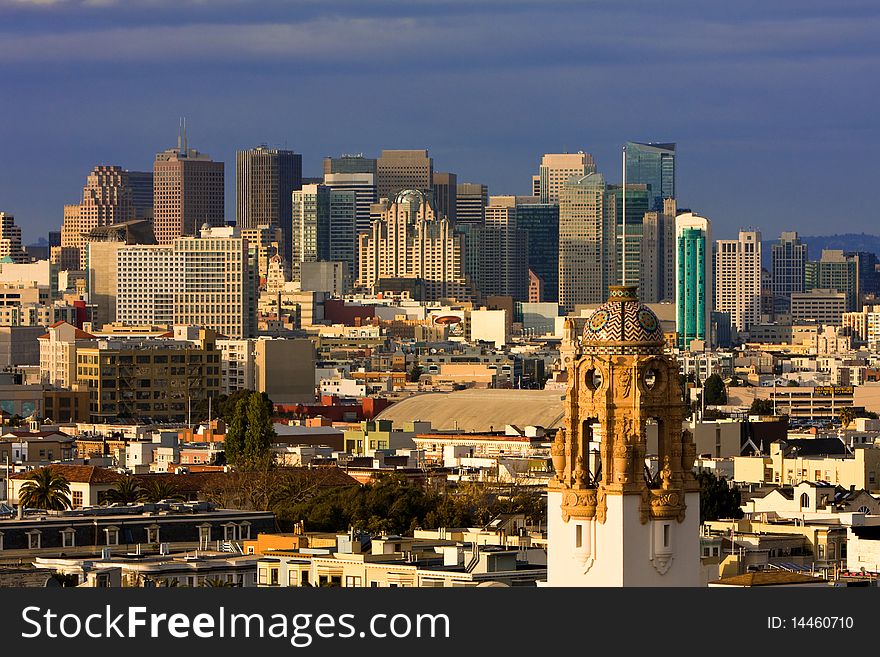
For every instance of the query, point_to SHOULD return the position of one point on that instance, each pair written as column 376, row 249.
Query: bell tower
column 611, row 521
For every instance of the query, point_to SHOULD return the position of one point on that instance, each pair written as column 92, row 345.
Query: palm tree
column 847, row 415
column 45, row 489
column 124, row 491
column 156, row 490
column 218, row 582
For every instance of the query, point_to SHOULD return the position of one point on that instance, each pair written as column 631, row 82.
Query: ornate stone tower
column 611, row 521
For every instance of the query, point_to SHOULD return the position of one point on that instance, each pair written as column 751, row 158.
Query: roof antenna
column 179, row 133
column 185, row 149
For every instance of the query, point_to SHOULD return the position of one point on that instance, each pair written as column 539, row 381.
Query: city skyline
column 735, row 90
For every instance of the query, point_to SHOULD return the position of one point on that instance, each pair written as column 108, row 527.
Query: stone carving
column 557, row 454
column 626, row 381
column 579, row 504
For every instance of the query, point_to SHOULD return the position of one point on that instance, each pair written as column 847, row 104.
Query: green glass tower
column 693, row 285
column 652, row 164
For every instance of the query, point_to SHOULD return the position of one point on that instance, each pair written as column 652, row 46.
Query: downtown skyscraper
column 693, row 279
column 738, row 279
column 265, row 178
column 789, row 258
column 652, row 164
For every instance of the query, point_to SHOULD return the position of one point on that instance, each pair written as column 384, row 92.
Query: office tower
column 866, row 271
column 652, row 164
column 557, row 168
column 412, row 251
column 541, row 223
column 265, row 179
column 347, row 163
column 693, row 277
column 11, row 249
column 397, row 170
column 445, row 194
column 657, row 258
column 141, row 183
column 364, row 187
column 587, row 250
column 54, row 238
column 638, row 202
column 207, row 281
column 106, row 199
column 187, row 192
column 536, row 186
column 265, row 242
column 471, row 200
column 342, row 230
column 738, row 279
column 835, row 271
column 501, row 252
column 310, row 227
column 789, row 258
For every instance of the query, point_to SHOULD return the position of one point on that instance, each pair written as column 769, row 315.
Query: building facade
column 558, row 168
column 738, row 279
column 693, row 274
column 789, row 263
column 652, row 164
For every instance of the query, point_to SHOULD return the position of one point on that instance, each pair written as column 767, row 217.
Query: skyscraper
column 541, row 223
column 350, row 163
column 412, row 250
column 265, row 178
column 587, row 250
column 106, row 200
column 738, row 279
column 835, row 270
column 557, row 168
column 652, row 164
column 310, row 227
column 789, row 256
column 188, row 192
column 638, row 202
column 502, row 261
column 471, row 200
column 141, row 183
column 657, row 259
column 363, row 185
column 445, row 194
column 397, row 170
column 11, row 249
column 693, row 267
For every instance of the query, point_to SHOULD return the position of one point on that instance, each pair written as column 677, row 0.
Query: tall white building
column 207, row 281
column 738, row 279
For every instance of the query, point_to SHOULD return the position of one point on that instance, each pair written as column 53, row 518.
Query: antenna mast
column 623, row 212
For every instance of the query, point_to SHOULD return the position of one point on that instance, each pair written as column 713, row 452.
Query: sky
column 772, row 104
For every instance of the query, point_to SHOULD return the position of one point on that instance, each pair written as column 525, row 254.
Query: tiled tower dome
column 622, row 325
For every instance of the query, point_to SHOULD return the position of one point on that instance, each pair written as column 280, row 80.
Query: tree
column 847, row 415
column 718, row 500
column 124, row 491
column 156, row 490
column 761, row 407
column 792, row 384
column 714, row 390
column 45, row 489
column 415, row 373
column 259, row 432
column 233, row 441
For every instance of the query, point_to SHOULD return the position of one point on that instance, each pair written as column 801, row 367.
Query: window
column 153, row 534
column 77, row 499
column 805, row 500
column 578, row 535
column 352, row 581
column 34, row 539
column 244, row 531
column 68, row 537
column 262, row 575
column 665, row 535
column 204, row 536
column 111, row 535
column 1, row 541
column 273, row 576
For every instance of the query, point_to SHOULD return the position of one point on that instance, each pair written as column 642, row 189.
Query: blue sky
column 772, row 104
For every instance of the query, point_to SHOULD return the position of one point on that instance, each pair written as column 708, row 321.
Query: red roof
column 82, row 474
column 79, row 334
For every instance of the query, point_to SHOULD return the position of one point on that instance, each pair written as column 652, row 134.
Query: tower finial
column 185, row 148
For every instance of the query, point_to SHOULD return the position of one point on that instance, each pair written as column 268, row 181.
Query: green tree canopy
column 718, row 500
column 714, row 390
column 761, row 407
column 125, row 491
column 156, row 490
column 45, row 489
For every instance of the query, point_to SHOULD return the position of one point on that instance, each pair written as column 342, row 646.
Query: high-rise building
column 789, row 256
column 397, row 170
column 208, row 281
column 141, row 183
column 541, row 223
column 11, row 249
column 869, row 278
column 445, row 194
column 738, row 279
column 265, row 242
column 502, row 252
column 638, row 202
column 652, row 164
column 310, row 227
column 693, row 274
column 188, row 192
column 412, row 250
column 364, row 187
column 835, row 270
column 556, row 169
column 587, row 250
column 106, row 200
column 346, row 163
column 265, row 178
column 657, row 257
column 343, row 233
column 471, row 200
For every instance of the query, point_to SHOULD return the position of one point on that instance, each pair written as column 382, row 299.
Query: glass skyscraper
column 541, row 222
column 693, row 284
column 652, row 164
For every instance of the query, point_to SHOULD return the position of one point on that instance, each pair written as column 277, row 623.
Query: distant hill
column 816, row 243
